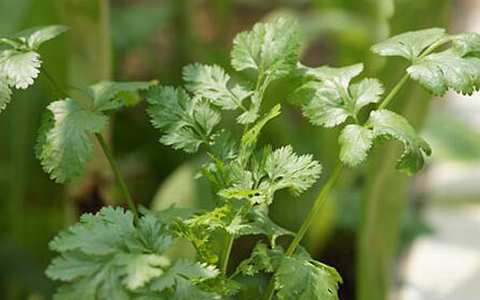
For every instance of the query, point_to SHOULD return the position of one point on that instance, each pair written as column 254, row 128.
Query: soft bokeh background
column 391, row 237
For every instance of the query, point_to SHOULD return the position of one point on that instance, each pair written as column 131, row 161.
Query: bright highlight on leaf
column 19, row 62
column 272, row 49
column 212, row 83
column 65, row 144
column 409, row 44
column 34, row 37
column 355, row 141
column 329, row 98
column 187, row 122
column 5, row 94
column 19, row 68
column 66, row 140
column 289, row 170
column 456, row 68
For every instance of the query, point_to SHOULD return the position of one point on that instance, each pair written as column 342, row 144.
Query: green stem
column 56, row 87
column 118, row 176
column 226, row 253
column 405, row 77
column 394, row 91
column 317, row 205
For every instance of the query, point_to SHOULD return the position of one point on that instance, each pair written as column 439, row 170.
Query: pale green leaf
column 66, row 145
column 286, row 169
column 391, row 125
column 139, row 269
column 19, row 68
column 439, row 72
column 331, row 99
column 355, row 141
column 270, row 48
column 409, row 45
column 34, row 37
column 212, row 83
column 249, row 138
column 5, row 94
column 187, row 123
column 300, row 279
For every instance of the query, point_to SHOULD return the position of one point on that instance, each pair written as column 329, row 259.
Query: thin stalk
column 118, row 176
column 394, row 91
column 61, row 92
column 317, row 205
column 405, row 77
column 226, row 253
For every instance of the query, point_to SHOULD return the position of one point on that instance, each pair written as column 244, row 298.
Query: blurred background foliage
column 374, row 214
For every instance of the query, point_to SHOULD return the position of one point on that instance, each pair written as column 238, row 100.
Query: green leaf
column 19, row 68
column 286, row 169
column 262, row 260
column 300, row 279
column 466, row 43
column 355, row 141
column 270, row 48
column 66, row 145
column 260, row 223
column 34, row 37
column 409, row 45
column 183, row 269
column 205, row 230
column 439, row 72
column 211, row 82
column 391, row 125
column 249, row 138
column 333, row 99
column 110, row 255
column 5, row 94
column 187, row 122
column 139, row 269
column 109, row 95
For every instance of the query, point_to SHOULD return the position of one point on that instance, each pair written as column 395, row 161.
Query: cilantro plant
column 122, row 253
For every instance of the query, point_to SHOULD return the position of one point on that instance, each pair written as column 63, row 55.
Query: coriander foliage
column 117, row 254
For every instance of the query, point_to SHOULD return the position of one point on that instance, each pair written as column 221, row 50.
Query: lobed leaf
column 332, row 99
column 211, row 82
column 106, row 253
column 355, row 141
column 65, row 139
column 409, row 45
column 286, row 169
column 300, row 279
column 439, row 72
column 270, row 48
column 187, row 122
column 392, row 125
column 19, row 68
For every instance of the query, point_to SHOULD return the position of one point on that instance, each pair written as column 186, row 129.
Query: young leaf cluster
column 246, row 176
column 108, row 256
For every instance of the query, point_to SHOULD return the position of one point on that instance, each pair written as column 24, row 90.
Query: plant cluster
column 123, row 254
